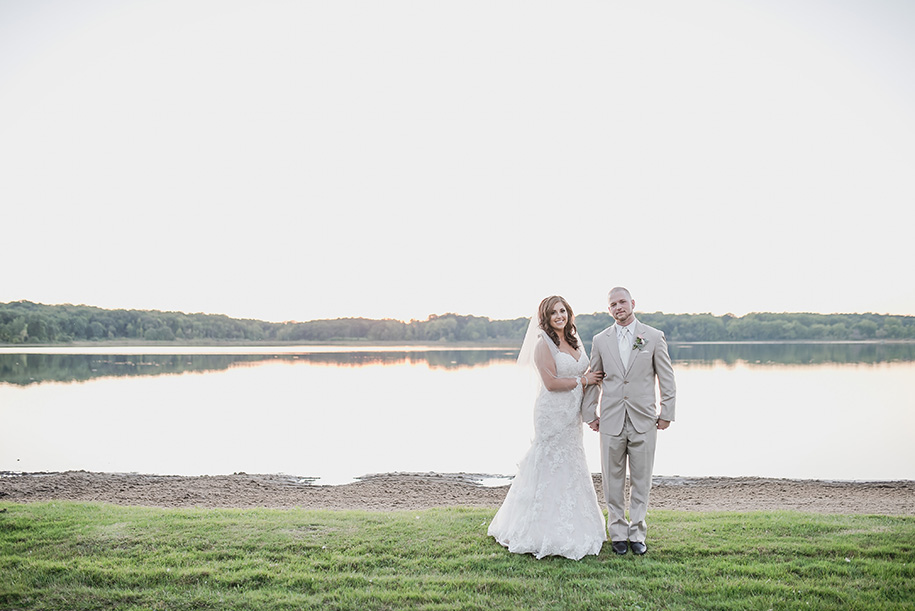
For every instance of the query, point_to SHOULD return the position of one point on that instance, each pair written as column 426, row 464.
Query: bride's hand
column 593, row 377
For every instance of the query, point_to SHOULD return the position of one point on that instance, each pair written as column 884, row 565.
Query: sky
column 297, row 160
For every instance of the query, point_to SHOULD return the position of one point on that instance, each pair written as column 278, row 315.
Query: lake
column 819, row 411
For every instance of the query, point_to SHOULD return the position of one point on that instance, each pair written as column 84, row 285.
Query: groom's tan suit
column 628, row 419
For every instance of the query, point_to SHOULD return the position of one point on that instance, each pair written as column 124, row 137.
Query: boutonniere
column 639, row 343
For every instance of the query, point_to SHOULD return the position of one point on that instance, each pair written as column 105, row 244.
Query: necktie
column 625, row 347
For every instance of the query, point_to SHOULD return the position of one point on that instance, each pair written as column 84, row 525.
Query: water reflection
column 26, row 369
column 793, row 354
column 434, row 359
column 833, row 411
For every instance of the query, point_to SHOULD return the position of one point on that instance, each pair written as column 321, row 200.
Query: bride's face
column 559, row 317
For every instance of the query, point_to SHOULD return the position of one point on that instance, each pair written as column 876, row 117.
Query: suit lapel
column 637, row 330
column 613, row 348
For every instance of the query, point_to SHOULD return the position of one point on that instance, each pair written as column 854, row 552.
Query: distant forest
column 24, row 322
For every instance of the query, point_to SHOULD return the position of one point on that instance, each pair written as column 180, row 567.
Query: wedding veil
column 529, row 345
column 526, row 356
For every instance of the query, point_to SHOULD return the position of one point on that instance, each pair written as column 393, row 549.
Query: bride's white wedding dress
column 551, row 508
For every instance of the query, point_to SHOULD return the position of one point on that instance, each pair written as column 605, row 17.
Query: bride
column 551, row 508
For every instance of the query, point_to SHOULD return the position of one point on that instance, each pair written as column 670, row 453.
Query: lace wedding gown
column 551, row 508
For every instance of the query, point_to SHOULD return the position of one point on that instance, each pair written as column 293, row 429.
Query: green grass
column 89, row 556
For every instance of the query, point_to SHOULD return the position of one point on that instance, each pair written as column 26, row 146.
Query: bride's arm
column 546, row 365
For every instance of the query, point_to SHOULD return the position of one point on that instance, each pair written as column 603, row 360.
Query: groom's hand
column 595, row 424
column 663, row 424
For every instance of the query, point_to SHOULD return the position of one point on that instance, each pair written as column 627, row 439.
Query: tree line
column 24, row 322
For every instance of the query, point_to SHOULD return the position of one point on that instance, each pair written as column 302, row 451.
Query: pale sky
column 299, row 160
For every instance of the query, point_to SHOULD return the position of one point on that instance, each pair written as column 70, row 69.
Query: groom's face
column 621, row 306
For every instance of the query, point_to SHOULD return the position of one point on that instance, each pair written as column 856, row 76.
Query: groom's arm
column 666, row 384
column 592, row 392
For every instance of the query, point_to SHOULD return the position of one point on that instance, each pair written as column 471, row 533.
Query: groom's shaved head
column 619, row 289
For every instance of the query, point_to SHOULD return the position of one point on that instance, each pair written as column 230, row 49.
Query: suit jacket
column 630, row 390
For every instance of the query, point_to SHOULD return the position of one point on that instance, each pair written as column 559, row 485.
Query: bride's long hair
column 570, row 332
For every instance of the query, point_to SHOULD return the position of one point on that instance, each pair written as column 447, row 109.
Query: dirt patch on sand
column 407, row 491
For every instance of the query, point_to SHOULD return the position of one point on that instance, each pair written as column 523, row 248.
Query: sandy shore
column 406, row 491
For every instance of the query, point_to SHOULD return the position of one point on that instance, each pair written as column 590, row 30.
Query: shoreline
column 439, row 345
column 414, row 491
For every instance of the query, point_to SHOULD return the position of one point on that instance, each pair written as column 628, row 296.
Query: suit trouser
column 638, row 448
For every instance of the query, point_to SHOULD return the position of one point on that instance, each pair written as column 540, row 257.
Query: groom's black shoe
column 638, row 547
column 619, row 547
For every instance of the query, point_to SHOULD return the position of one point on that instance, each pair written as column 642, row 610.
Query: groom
column 631, row 355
